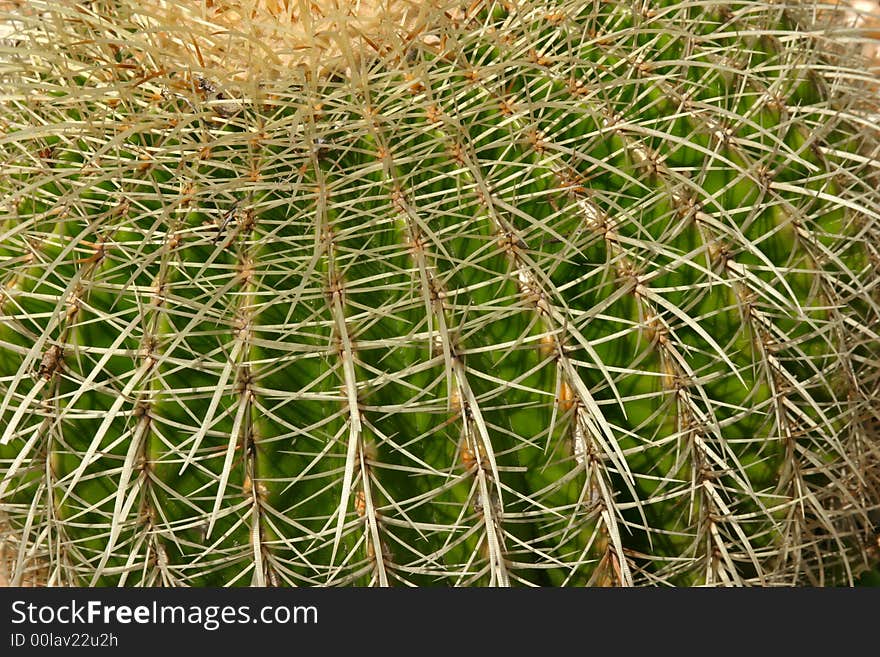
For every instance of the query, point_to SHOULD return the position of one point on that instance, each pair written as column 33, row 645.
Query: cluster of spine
column 570, row 293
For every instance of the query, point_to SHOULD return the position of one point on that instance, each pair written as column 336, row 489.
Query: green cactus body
column 570, row 294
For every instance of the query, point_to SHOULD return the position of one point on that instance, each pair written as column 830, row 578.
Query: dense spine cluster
column 569, row 293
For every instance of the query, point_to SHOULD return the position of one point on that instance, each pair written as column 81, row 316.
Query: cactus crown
column 539, row 293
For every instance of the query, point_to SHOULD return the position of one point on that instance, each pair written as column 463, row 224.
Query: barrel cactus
column 502, row 293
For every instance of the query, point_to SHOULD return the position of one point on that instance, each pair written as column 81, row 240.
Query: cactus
column 515, row 293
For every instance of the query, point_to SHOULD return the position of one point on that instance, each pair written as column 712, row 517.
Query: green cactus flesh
column 571, row 294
